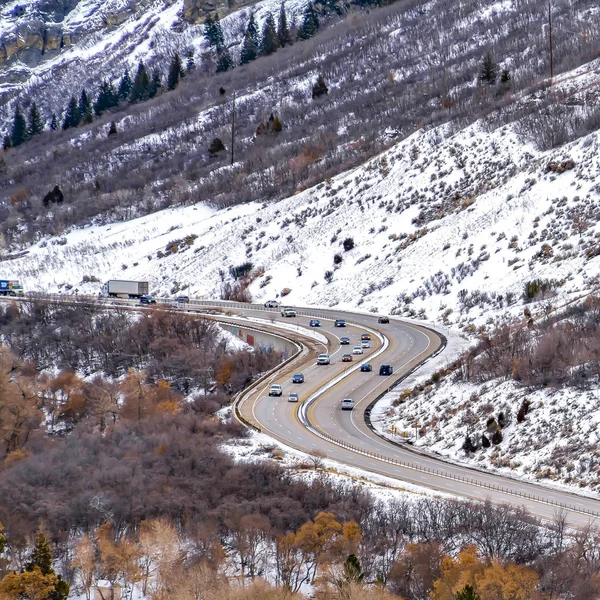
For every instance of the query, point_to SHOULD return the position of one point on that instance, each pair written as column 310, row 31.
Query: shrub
column 497, row 437
column 215, row 147
column 337, row 259
column 485, row 442
column 241, row 271
column 348, row 244
column 523, row 411
column 328, row 276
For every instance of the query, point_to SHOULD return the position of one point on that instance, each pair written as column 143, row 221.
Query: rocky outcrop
column 195, row 11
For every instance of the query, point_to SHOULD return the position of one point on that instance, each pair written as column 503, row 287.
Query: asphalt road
column 403, row 346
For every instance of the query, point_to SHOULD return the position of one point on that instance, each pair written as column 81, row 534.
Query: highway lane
column 408, row 345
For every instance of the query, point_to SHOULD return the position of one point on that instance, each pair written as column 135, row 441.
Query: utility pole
column 232, row 127
column 550, row 39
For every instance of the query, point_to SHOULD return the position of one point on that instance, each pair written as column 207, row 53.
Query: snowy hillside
column 445, row 226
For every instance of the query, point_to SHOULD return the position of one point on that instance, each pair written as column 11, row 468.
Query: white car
column 275, row 390
column 365, row 344
column 271, row 304
column 288, row 312
column 347, row 404
column 323, row 359
column 357, row 350
column 293, row 397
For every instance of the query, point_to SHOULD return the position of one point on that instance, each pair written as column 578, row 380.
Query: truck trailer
column 10, row 288
column 125, row 289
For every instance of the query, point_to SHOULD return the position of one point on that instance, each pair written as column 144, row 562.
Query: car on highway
column 386, row 370
column 357, row 350
column 183, row 299
column 365, row 337
column 365, row 344
column 366, row 367
column 314, row 323
column 288, row 311
column 344, row 341
column 275, row 390
column 271, row 304
column 347, row 404
column 347, row 358
column 383, row 320
column 147, row 300
column 298, row 378
column 293, row 397
column 323, row 359
column 340, row 323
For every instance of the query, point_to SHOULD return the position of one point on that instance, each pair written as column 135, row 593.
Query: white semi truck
column 116, row 288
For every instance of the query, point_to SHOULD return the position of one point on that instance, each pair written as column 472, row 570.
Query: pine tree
column 41, row 556
column 19, row 128
column 112, row 129
column 251, row 42
column 190, row 63
column 269, row 41
column 7, row 143
column 467, row 593
column 35, row 124
column 85, row 103
column 54, row 122
column 72, row 114
column 215, row 147
column 107, row 98
column 175, row 72
column 213, row 31
column 283, row 31
column 155, row 83
column 125, row 86
column 277, row 125
column 310, row 23
column 140, row 90
column 320, row 88
column 489, row 70
column 505, row 76
column 352, row 571
column 224, row 61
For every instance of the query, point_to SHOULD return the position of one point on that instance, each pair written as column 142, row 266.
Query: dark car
column 344, row 341
column 298, row 378
column 315, row 323
column 340, row 323
column 183, row 299
column 386, row 370
column 347, row 358
column 147, row 300
column 383, row 320
column 366, row 367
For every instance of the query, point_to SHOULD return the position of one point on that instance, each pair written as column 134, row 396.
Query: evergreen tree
column 107, row 98
column 190, row 63
column 489, row 70
column 283, row 31
column 215, row 147
column 320, row 88
column 54, row 122
column 505, row 76
column 175, row 72
column 155, row 83
column 269, row 41
column 213, row 31
column 352, row 571
column 19, row 128
column 251, row 42
column 7, row 143
column 125, row 86
column 140, row 90
column 85, row 103
column 224, row 61
column 41, row 556
column 467, row 593
column 112, row 129
column 310, row 23
column 72, row 114
column 35, row 124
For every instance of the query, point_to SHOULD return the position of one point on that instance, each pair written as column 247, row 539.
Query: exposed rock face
column 195, row 11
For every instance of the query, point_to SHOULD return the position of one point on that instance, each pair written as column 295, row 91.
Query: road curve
column 317, row 423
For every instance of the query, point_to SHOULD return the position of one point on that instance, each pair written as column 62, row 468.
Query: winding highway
column 317, row 423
